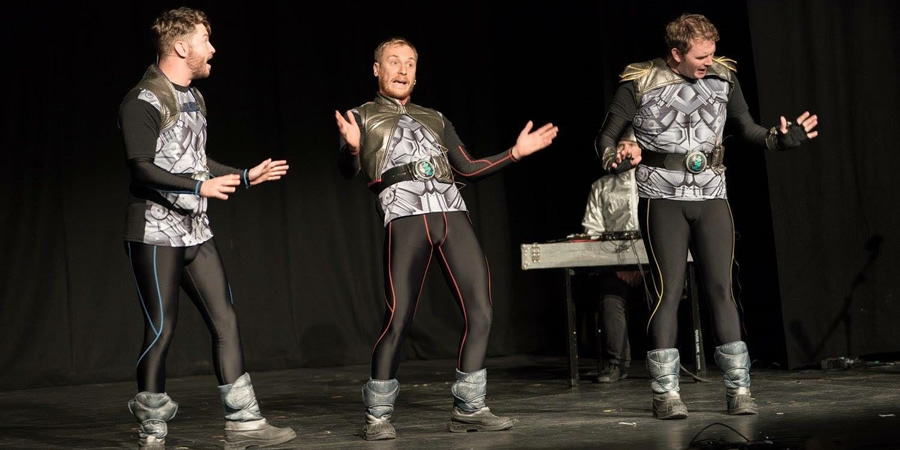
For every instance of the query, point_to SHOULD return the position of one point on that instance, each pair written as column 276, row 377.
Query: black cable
column 691, row 444
column 643, row 278
column 693, row 375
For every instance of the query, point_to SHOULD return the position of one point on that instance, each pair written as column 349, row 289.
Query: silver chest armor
column 413, row 142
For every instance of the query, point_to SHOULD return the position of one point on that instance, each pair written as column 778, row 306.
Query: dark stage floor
column 815, row 409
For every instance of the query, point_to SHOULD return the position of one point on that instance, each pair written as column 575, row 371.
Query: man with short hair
column 167, row 235
column 409, row 154
column 612, row 208
column 678, row 106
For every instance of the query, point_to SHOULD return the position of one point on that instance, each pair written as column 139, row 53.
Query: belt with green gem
column 431, row 168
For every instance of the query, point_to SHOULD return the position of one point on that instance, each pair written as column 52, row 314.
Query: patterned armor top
column 177, row 217
column 411, row 156
column 677, row 115
column 406, row 139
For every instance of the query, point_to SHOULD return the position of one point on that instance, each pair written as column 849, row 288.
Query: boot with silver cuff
column 152, row 410
column 663, row 365
column 379, row 397
column 734, row 361
column 244, row 424
column 469, row 411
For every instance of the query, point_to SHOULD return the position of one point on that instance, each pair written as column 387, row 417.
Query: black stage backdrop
column 834, row 206
column 304, row 255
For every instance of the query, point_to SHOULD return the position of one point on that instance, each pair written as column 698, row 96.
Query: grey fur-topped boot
column 663, row 365
column 244, row 424
column 379, row 397
column 152, row 410
column 734, row 360
column 469, row 411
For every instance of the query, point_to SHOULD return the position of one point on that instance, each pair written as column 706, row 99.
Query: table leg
column 570, row 329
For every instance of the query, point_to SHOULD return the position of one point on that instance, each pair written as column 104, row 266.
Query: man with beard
column 167, row 234
column 678, row 106
column 612, row 208
column 409, row 154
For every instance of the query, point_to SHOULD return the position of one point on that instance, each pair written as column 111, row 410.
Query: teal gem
column 696, row 164
column 429, row 170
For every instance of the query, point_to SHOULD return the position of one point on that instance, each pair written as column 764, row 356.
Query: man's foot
column 255, row 433
column 481, row 420
column 152, row 443
column 379, row 428
column 669, row 406
column 740, row 402
column 612, row 373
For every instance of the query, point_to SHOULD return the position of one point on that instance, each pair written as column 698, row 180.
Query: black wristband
column 623, row 166
column 795, row 136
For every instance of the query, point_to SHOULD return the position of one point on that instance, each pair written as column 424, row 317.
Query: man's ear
column 375, row 69
column 181, row 49
column 676, row 55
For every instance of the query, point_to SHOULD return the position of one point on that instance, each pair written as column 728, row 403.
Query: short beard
column 388, row 89
column 197, row 66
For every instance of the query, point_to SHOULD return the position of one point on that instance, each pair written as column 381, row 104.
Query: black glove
column 795, row 136
column 623, row 166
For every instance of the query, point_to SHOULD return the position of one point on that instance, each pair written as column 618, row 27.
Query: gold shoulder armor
column 723, row 68
column 729, row 63
column 636, row 70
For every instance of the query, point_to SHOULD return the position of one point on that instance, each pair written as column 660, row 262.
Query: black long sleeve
column 463, row 164
column 621, row 113
column 140, row 122
column 739, row 117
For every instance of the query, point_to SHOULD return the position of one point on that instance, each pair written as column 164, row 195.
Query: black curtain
column 834, row 203
column 304, row 255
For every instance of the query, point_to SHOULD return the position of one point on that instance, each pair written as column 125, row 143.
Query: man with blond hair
column 679, row 106
column 167, row 235
column 409, row 154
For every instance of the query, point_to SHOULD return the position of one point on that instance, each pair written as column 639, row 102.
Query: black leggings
column 409, row 244
column 159, row 272
column 667, row 227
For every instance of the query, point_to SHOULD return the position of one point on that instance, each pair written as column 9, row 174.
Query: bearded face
column 200, row 51
column 396, row 72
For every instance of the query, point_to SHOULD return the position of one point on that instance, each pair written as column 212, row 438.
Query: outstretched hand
column 349, row 130
column 267, row 170
column 807, row 121
column 532, row 141
column 220, row 187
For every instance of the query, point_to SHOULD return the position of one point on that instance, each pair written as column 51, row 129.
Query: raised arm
column 350, row 141
column 528, row 142
column 140, row 123
column 780, row 137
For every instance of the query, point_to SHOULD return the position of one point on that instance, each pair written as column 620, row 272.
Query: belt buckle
column 423, row 170
column 695, row 162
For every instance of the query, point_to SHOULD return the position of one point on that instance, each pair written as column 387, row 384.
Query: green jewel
column 696, row 163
